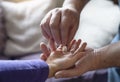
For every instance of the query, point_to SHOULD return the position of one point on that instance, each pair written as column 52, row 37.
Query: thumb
column 69, row 73
column 44, row 49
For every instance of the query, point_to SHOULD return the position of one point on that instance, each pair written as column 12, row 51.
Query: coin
column 64, row 48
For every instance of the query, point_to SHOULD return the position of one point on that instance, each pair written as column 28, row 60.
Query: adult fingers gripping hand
column 75, row 71
column 87, row 62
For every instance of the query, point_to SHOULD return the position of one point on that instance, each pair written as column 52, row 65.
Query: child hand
column 59, row 60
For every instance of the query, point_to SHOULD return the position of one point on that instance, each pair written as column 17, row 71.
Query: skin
column 61, row 24
column 94, row 59
column 57, row 59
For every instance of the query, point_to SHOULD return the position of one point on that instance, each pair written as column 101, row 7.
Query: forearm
column 76, row 4
column 109, row 56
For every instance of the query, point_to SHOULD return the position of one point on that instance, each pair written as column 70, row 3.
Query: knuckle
column 67, row 11
column 56, row 12
column 56, row 9
column 53, row 25
column 43, row 25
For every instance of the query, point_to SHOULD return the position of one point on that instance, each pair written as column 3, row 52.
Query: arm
column 109, row 56
column 23, row 71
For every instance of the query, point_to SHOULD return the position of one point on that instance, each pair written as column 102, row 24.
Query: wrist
column 98, row 59
column 71, row 7
column 52, row 70
column 77, row 5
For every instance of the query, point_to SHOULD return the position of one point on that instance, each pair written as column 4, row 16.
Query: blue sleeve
column 23, row 71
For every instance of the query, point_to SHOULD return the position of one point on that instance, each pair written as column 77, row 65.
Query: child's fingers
column 75, row 46
column 71, row 44
column 44, row 49
column 81, row 49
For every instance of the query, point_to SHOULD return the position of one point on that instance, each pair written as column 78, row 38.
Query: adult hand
column 104, row 57
column 59, row 60
column 89, row 61
column 60, row 24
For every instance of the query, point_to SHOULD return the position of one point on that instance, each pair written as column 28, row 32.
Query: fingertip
column 79, row 40
column 43, row 57
column 42, row 45
column 85, row 43
column 44, row 49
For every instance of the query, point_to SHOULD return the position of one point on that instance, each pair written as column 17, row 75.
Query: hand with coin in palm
column 61, row 58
